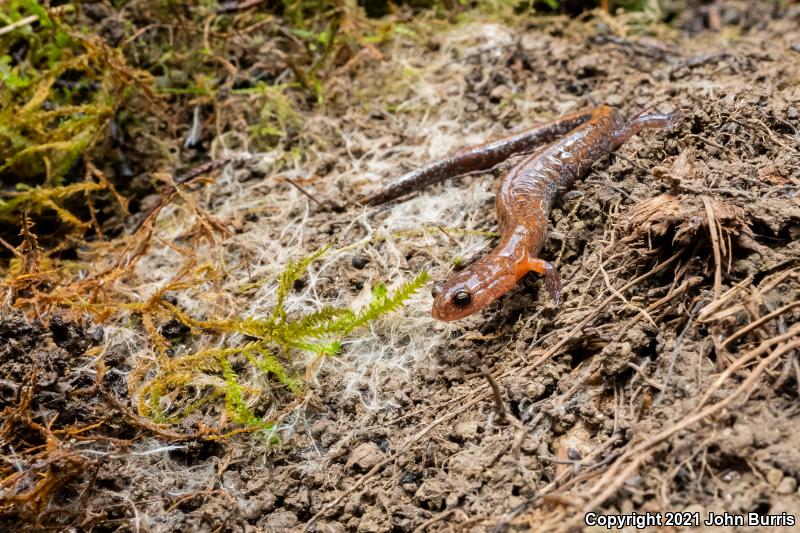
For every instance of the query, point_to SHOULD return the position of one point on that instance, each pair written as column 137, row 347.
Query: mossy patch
column 262, row 348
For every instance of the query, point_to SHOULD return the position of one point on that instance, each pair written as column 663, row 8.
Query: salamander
column 524, row 200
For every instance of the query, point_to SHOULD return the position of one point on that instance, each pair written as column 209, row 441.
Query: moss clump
column 240, row 375
column 61, row 89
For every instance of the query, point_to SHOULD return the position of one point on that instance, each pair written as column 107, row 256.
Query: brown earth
column 635, row 395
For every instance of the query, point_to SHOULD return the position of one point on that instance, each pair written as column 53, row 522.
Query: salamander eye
column 462, row 298
column 436, row 289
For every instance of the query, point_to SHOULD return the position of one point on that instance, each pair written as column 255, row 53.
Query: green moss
column 278, row 115
column 35, row 200
column 236, row 374
column 59, row 95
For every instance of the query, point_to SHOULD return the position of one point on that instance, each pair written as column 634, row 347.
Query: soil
column 665, row 251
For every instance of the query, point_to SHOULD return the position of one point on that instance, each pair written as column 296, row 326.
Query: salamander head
column 472, row 289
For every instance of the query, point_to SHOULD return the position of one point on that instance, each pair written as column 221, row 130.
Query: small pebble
column 465, row 429
column 787, row 486
column 774, row 477
column 615, row 100
column 359, row 261
column 365, row 456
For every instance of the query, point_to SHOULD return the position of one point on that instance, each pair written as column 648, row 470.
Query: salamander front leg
column 552, row 283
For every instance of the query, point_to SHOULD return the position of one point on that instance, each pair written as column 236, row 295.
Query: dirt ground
column 668, row 379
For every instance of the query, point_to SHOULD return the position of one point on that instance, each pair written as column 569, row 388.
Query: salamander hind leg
column 656, row 121
column 552, row 282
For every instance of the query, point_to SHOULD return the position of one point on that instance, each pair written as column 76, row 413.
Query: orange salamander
column 524, row 199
